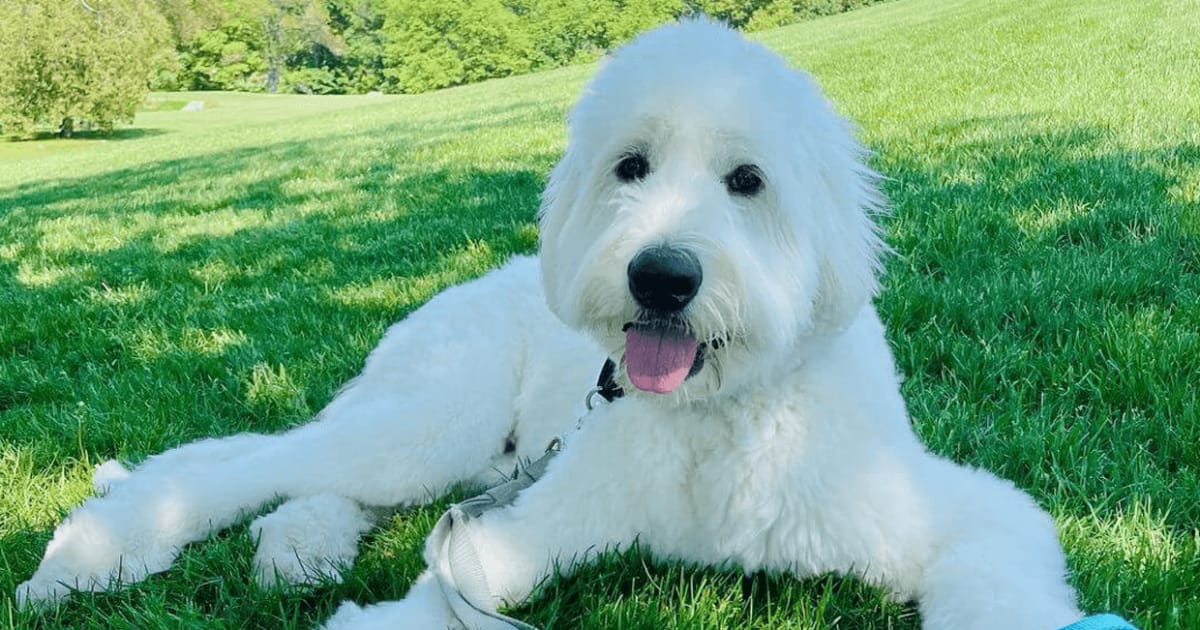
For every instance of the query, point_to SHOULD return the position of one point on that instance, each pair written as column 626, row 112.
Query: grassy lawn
column 220, row 271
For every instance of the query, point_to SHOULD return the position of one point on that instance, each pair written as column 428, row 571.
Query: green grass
column 222, row 271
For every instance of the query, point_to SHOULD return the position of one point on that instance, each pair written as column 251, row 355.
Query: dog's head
column 711, row 212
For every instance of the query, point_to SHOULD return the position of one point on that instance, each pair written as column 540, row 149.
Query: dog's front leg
column 400, row 433
column 587, row 502
column 995, row 562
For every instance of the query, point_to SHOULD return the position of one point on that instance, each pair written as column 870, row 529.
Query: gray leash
column 454, row 560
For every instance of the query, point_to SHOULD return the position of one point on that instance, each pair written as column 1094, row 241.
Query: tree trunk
column 273, row 34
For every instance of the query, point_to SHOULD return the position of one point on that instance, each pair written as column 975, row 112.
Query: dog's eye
column 632, row 167
column 744, row 180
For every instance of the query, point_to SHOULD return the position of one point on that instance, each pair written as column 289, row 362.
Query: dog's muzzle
column 660, row 350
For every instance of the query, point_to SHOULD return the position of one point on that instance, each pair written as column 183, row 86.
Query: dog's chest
column 749, row 491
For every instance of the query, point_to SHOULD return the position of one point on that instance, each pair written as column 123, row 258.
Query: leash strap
column 453, row 557
column 455, row 562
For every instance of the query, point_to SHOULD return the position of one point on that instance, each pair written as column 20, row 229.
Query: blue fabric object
column 1101, row 622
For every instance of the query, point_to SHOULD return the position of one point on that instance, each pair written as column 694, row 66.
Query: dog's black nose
column 664, row 278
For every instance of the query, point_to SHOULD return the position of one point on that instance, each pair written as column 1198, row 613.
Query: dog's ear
column 847, row 193
column 559, row 195
column 851, row 261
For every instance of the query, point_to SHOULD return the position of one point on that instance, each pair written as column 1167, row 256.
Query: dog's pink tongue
column 658, row 361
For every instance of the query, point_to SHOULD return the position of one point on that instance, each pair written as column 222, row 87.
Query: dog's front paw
column 423, row 608
column 307, row 540
column 348, row 616
column 41, row 593
column 108, row 475
column 390, row 616
column 97, row 547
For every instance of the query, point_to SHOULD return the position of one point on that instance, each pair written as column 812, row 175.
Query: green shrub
column 312, row 81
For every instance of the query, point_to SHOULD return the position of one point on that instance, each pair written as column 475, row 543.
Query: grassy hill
column 211, row 272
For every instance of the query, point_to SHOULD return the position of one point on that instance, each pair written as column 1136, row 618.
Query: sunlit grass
column 226, row 270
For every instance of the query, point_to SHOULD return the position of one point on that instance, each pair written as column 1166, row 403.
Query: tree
column 252, row 45
column 297, row 34
column 359, row 25
column 429, row 45
column 63, row 62
column 188, row 18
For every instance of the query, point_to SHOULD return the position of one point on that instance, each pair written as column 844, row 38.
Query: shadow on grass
column 236, row 291
column 1036, row 304
column 96, row 263
column 1074, row 258
column 1044, row 306
column 116, row 135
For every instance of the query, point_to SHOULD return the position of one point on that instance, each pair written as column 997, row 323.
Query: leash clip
column 589, row 401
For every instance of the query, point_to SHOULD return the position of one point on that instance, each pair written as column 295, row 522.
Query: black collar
column 606, row 385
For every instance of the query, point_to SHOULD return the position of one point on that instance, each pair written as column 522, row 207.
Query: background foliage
column 354, row 46
column 63, row 61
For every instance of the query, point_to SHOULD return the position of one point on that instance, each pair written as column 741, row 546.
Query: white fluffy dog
column 708, row 230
